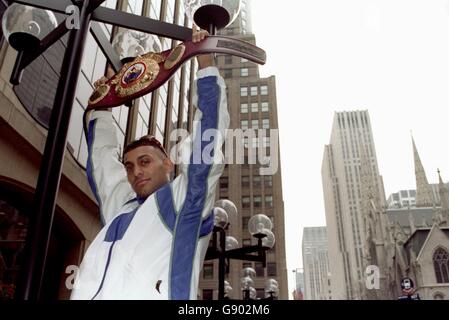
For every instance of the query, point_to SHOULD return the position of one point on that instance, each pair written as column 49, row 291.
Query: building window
column 257, row 201
column 245, row 182
column 244, row 124
column 246, row 242
column 441, row 265
column 224, row 184
column 266, row 123
column 227, row 73
column 246, row 202
column 245, row 158
column 271, row 269
column 266, row 142
column 243, row 91
column 253, row 91
column 254, row 107
column 265, row 107
column 257, row 181
column 269, row 201
column 268, row 181
column 208, row 270
column 260, row 271
column 255, row 124
column 244, row 72
column 245, row 224
column 208, row 294
column 263, row 90
column 244, row 108
column 228, row 59
column 438, row 296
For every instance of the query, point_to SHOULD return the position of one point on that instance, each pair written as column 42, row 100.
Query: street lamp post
column 90, row 14
column 225, row 248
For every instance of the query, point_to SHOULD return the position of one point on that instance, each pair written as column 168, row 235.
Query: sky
column 390, row 57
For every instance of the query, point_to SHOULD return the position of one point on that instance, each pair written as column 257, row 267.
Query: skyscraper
column 350, row 179
column 317, row 278
column 298, row 293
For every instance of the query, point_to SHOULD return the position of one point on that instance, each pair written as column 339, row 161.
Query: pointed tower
column 424, row 196
column 444, row 199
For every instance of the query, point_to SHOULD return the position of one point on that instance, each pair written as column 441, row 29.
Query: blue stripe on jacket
column 189, row 219
column 164, row 198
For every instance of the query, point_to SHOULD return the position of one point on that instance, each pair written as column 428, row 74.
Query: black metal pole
column 246, row 295
column 221, row 265
column 41, row 217
column 262, row 252
column 17, row 70
column 212, row 29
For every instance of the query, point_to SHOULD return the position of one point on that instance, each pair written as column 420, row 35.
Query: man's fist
column 205, row 60
column 100, row 81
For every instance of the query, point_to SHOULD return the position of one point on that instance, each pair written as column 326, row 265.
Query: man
column 156, row 232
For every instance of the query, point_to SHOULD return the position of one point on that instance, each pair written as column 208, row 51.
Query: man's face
column 148, row 170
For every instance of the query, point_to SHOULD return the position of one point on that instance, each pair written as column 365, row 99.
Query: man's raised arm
column 202, row 158
column 105, row 172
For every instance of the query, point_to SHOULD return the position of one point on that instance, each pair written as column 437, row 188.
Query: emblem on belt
column 136, row 75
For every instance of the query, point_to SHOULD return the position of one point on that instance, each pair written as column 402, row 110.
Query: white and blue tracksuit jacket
column 154, row 249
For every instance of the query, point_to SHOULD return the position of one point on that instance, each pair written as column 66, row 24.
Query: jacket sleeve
column 105, row 172
column 202, row 160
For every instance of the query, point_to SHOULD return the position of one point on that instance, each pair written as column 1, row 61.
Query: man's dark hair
column 147, row 140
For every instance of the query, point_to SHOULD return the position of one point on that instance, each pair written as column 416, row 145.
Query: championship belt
column 148, row 72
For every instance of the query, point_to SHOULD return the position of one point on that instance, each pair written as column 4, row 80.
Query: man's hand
column 100, row 81
column 205, row 60
column 109, row 74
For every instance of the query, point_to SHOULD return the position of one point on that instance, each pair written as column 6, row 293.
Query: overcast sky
column 390, row 57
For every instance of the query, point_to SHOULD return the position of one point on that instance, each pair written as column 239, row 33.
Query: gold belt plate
column 137, row 75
